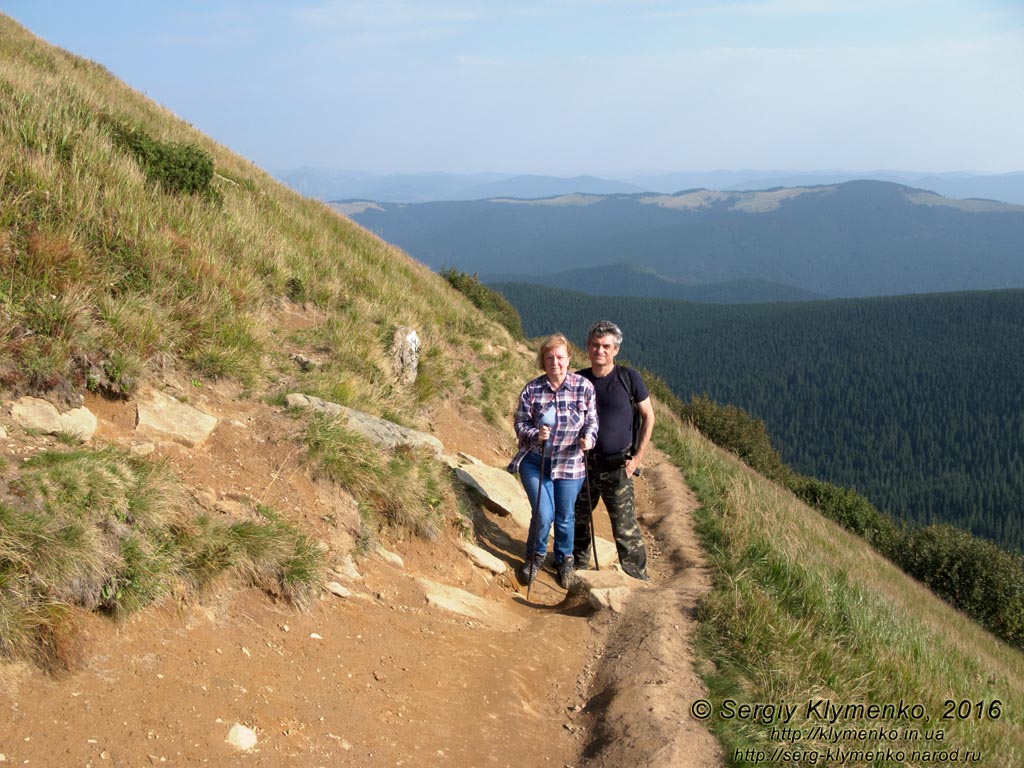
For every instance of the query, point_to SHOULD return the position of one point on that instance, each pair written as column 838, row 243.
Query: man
column 611, row 464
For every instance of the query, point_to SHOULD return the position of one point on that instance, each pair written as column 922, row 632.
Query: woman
column 556, row 421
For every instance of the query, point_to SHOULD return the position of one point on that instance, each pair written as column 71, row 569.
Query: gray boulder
column 380, row 431
column 405, row 354
column 502, row 492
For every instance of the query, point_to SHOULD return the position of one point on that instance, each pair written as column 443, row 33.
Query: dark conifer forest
column 915, row 401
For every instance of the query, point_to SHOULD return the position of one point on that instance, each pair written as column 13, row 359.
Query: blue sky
column 566, row 87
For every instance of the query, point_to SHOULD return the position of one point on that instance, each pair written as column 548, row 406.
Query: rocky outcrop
column 43, row 416
column 405, row 355
column 162, row 417
column 482, row 558
column 607, row 589
column 463, row 603
column 500, row 491
column 384, row 433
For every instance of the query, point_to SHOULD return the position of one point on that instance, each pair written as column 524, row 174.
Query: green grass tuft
column 405, row 488
column 104, row 530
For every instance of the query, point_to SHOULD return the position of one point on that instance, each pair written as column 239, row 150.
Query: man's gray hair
column 605, row 328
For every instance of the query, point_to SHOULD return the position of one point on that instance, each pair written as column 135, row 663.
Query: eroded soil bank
column 384, row 677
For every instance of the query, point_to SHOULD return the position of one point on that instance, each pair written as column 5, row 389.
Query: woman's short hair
column 605, row 328
column 552, row 341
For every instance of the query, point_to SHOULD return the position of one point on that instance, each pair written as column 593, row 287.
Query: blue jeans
column 557, row 505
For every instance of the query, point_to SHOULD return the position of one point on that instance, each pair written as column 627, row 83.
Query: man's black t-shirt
column 614, row 412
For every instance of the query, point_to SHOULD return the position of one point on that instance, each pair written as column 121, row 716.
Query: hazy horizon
column 662, row 172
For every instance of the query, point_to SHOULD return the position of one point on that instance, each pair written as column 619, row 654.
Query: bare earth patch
column 386, row 676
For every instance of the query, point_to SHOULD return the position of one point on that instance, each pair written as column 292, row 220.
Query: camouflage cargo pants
column 615, row 488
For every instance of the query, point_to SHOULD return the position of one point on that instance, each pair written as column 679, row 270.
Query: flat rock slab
column 338, row 589
column 346, row 569
column 607, row 589
column 467, row 604
column 380, row 431
column 42, row 415
column 613, row 599
column 391, row 558
column 482, row 558
column 501, row 491
column 162, row 417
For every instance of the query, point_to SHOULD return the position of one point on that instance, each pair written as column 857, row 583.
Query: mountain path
column 384, row 677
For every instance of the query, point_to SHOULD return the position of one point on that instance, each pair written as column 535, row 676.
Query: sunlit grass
column 803, row 610
column 111, row 280
column 405, row 487
column 102, row 270
column 103, row 530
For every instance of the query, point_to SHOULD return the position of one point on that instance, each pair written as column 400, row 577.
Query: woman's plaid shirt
column 575, row 417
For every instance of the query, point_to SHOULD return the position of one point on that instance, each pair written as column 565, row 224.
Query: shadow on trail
column 569, row 605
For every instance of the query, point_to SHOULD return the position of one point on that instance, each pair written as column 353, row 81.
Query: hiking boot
column 582, row 561
column 566, row 572
column 529, row 569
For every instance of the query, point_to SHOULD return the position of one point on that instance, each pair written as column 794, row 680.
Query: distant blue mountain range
column 331, row 185
column 854, row 239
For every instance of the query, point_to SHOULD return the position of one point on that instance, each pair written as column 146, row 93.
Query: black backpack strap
column 630, row 387
column 636, row 424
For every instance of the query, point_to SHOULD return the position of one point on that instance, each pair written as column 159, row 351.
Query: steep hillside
column 859, row 238
column 810, row 623
column 285, row 573
column 137, row 255
column 158, row 587
column 113, row 275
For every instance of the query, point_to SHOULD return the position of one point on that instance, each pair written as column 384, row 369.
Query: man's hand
column 632, row 467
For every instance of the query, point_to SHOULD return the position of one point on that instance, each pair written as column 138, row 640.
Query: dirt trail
column 381, row 678
column 641, row 697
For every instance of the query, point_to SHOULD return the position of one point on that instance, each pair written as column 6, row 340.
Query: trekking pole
column 590, row 511
column 536, row 515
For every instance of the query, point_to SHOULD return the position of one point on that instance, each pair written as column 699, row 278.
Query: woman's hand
column 544, row 434
column 586, row 443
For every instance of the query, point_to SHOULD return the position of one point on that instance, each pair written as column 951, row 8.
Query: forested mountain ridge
column 856, row 239
column 629, row 280
column 915, row 401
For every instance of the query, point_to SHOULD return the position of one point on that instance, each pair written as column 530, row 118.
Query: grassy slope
column 803, row 610
column 102, row 271
column 108, row 281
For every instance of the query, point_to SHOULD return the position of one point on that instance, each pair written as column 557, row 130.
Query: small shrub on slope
column 973, row 574
column 177, row 167
column 488, row 301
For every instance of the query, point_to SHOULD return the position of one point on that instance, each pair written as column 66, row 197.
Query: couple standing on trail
column 589, row 427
